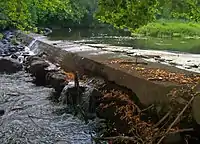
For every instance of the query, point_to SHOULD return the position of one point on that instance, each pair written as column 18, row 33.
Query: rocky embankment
column 126, row 119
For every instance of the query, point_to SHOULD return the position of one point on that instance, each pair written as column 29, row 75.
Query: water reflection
column 123, row 38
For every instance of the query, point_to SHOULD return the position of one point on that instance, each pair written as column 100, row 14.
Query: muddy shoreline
column 127, row 119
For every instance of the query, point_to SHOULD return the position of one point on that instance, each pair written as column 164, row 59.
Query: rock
column 57, row 80
column 14, row 56
column 87, row 100
column 194, row 66
column 12, row 49
column 196, row 114
column 37, row 69
column 20, row 47
column 38, row 66
column 197, row 88
column 9, row 65
column 4, row 41
column 2, row 112
column 173, row 138
column 90, row 99
column 47, row 31
column 69, row 94
column 30, row 59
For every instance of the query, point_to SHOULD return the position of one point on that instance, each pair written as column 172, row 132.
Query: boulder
column 37, row 69
column 9, row 65
column 173, row 138
column 69, row 94
column 196, row 114
column 90, row 99
column 86, row 99
column 38, row 66
column 2, row 112
column 57, row 80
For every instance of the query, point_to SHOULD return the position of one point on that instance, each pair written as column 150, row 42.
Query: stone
column 194, row 66
column 196, row 114
column 4, row 41
column 90, row 99
column 57, row 80
column 37, row 69
column 69, row 94
column 2, row 112
column 47, row 31
column 9, row 65
column 197, row 88
column 87, row 100
column 173, row 138
column 14, row 56
column 38, row 66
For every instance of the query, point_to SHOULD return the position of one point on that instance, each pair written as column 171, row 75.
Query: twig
column 177, row 118
column 138, row 109
column 147, row 108
column 163, row 118
column 183, row 130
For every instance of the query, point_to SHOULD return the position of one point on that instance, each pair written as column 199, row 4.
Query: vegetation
column 139, row 16
column 29, row 14
column 144, row 14
column 171, row 28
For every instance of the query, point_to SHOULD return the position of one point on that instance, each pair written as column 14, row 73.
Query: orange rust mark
column 69, row 75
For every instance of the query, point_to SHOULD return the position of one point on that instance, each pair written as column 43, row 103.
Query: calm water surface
column 122, row 38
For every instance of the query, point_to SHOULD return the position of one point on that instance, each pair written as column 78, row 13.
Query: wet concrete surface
column 99, row 60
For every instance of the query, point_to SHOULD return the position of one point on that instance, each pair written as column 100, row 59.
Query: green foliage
column 170, row 29
column 126, row 13
column 27, row 14
column 133, row 14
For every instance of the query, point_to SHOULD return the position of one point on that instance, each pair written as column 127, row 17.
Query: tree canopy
column 135, row 13
column 26, row 14
column 131, row 14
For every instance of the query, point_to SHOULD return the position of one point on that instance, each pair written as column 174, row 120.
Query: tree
column 127, row 13
column 135, row 13
column 27, row 14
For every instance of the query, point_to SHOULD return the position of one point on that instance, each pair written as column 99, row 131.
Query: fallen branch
column 161, row 120
column 176, row 119
column 147, row 108
column 182, row 131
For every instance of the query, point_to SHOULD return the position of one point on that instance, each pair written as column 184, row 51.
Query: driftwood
column 176, row 119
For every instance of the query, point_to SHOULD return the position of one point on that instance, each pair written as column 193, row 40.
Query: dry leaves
column 153, row 74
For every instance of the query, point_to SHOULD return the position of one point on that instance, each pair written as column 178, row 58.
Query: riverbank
column 123, row 106
column 170, row 28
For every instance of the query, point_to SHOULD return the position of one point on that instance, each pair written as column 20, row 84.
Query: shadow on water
column 31, row 118
column 123, row 38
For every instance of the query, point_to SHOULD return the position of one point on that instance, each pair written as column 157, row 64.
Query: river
column 31, row 118
column 179, row 52
column 123, row 38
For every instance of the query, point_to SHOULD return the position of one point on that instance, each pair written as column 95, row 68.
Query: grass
column 170, row 28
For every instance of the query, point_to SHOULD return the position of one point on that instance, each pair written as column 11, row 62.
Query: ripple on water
column 30, row 117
